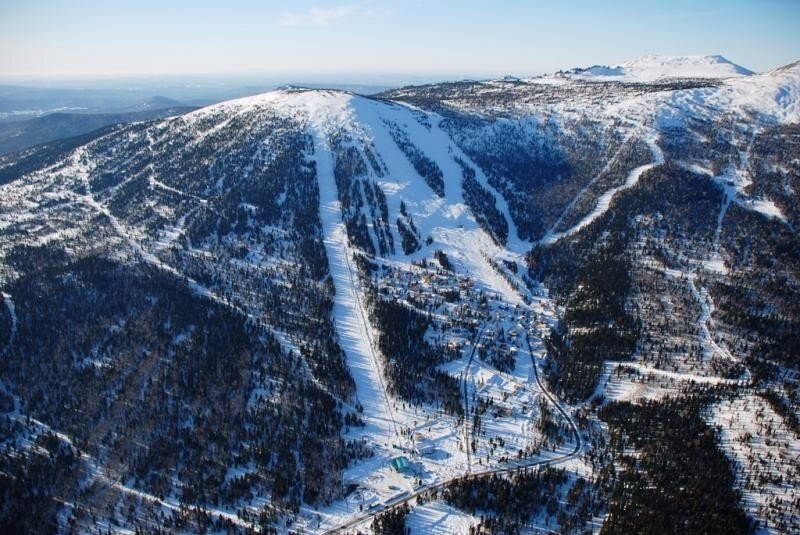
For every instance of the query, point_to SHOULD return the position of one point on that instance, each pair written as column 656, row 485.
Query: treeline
column 538, row 167
column 34, row 481
column 411, row 360
column 774, row 158
column 424, row 166
column 409, row 235
column 166, row 389
column 760, row 302
column 502, row 98
column 361, row 196
column 596, row 325
column 391, row 522
column 632, row 154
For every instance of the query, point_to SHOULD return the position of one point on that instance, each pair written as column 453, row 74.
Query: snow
column 602, row 71
column 437, row 518
column 734, row 181
column 589, row 184
column 765, row 452
column 97, row 474
column 774, row 97
column 711, row 347
column 451, row 227
column 634, row 382
column 707, row 308
column 604, row 201
column 766, row 208
column 13, row 315
column 650, row 68
column 170, row 234
column 77, row 167
column 158, row 184
column 447, row 220
column 349, row 316
column 769, row 98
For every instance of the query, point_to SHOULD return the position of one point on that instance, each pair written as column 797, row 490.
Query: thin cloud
column 317, row 16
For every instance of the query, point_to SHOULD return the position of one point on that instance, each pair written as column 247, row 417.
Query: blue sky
column 362, row 39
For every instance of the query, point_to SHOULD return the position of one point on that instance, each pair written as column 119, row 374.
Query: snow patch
column 438, row 518
column 13, row 314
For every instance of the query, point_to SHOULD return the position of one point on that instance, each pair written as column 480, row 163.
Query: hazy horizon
column 204, row 80
column 366, row 41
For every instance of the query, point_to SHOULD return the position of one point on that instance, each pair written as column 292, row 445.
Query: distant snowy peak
column 792, row 69
column 774, row 94
column 652, row 68
column 648, row 68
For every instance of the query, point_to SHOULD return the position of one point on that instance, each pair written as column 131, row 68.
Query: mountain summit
column 650, row 68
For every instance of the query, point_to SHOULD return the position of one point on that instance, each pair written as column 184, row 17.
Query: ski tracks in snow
column 597, row 177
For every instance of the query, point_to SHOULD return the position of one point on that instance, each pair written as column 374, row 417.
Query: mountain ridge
column 651, row 68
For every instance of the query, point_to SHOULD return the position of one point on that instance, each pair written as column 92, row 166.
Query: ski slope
column 604, row 201
column 348, row 313
column 9, row 303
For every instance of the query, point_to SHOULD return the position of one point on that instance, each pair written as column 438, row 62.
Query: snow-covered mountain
column 244, row 316
column 651, row 68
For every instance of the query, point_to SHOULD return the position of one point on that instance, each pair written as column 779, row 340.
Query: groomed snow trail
column 13, row 314
column 350, row 319
column 597, row 177
column 707, row 308
column 604, row 201
column 447, row 220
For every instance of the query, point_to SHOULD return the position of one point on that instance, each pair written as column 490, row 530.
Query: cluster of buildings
column 463, row 313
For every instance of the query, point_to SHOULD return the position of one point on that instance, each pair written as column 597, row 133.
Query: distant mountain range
column 21, row 134
column 653, row 68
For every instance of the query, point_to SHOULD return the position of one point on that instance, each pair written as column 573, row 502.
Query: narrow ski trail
column 350, row 318
column 604, row 201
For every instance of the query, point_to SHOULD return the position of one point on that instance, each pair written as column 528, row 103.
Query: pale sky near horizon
column 366, row 38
